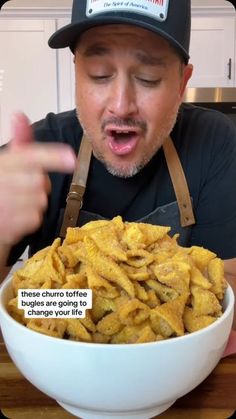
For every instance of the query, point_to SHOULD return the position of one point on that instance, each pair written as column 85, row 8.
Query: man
column 131, row 67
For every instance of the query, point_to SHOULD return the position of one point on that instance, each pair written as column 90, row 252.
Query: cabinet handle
column 230, row 69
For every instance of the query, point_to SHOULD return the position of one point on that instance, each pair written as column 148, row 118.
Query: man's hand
column 24, row 184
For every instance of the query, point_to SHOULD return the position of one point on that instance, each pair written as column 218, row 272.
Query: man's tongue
column 122, row 143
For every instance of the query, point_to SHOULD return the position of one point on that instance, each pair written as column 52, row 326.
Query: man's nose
column 123, row 98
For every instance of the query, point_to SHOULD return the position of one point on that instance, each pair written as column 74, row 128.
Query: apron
column 178, row 215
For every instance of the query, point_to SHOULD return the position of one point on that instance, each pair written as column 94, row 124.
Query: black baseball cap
column 171, row 19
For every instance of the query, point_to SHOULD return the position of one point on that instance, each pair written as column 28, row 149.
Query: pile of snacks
column 145, row 286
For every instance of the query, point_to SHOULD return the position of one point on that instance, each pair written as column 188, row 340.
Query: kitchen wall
column 38, row 3
column 65, row 3
column 201, row 3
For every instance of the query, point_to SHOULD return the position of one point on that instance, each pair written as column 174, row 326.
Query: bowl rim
column 4, row 313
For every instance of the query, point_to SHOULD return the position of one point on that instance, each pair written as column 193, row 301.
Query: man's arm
column 230, row 275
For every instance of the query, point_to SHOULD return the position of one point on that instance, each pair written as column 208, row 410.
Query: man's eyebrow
column 96, row 49
column 142, row 57
column 151, row 60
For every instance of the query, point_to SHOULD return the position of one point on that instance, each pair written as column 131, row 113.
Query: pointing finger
column 48, row 157
column 21, row 131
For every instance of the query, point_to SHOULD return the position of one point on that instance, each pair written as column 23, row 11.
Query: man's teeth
column 122, row 132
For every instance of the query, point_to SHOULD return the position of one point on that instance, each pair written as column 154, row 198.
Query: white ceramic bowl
column 114, row 381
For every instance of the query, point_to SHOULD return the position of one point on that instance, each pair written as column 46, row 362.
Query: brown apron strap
column 179, row 183
column 74, row 199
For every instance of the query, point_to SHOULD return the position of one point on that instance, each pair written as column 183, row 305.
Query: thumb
column 21, row 131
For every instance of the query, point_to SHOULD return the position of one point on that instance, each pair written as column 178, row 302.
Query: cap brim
column 67, row 36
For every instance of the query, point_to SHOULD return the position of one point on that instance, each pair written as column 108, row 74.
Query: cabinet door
column 212, row 52
column 28, row 71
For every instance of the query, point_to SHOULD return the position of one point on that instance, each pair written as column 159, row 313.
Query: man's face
column 129, row 85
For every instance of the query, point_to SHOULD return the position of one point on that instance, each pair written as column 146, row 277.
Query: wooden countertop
column 215, row 398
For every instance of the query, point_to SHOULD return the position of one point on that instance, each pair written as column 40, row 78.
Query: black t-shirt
column 206, row 144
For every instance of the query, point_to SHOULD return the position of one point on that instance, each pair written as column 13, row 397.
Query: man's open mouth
column 122, row 135
column 122, row 141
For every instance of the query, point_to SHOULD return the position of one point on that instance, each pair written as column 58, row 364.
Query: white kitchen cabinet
column 28, row 70
column 212, row 51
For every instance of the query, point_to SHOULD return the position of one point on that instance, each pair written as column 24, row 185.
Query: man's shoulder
column 204, row 126
column 61, row 127
column 193, row 114
column 204, row 138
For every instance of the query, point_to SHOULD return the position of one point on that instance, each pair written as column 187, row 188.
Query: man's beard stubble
column 127, row 172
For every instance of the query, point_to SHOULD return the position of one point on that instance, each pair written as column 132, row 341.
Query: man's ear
column 187, row 73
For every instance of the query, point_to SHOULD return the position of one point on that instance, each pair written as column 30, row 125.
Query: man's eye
column 148, row 82
column 100, row 78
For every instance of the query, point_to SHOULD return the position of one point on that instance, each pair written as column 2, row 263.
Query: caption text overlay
column 50, row 303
